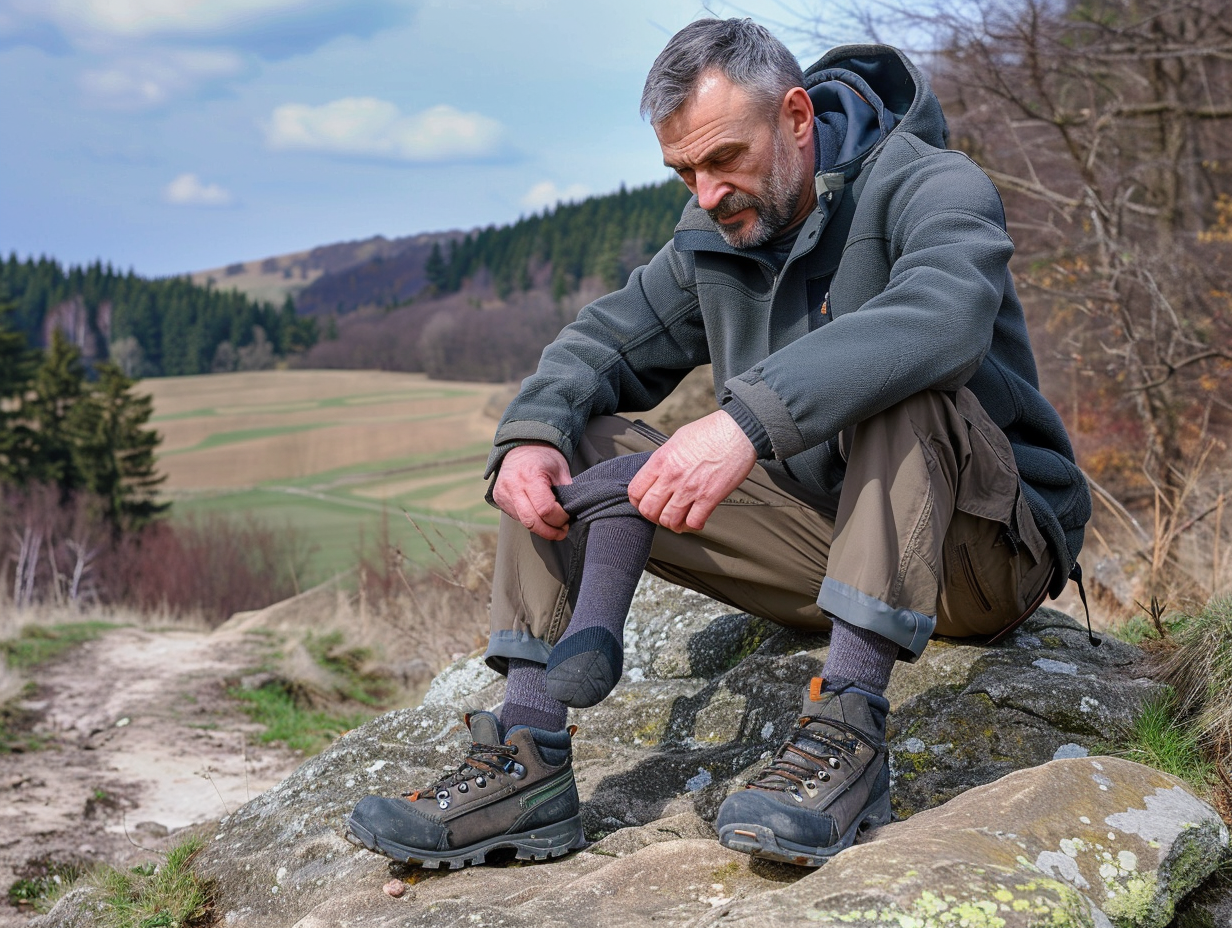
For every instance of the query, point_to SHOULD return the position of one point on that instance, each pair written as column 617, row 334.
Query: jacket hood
column 888, row 81
column 862, row 94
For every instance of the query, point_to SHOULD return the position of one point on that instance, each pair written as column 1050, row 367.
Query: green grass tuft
column 40, row 891
column 168, row 895
column 300, row 728
column 1161, row 739
column 1200, row 670
column 17, row 734
column 37, row 644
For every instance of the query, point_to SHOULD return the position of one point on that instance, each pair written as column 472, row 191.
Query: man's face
column 741, row 161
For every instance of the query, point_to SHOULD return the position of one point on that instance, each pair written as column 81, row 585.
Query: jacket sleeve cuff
column 525, row 432
column 755, row 431
column 769, row 410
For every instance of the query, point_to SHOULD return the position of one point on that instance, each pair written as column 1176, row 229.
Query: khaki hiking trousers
column 929, row 534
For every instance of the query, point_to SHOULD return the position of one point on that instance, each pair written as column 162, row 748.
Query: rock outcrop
column 1069, row 839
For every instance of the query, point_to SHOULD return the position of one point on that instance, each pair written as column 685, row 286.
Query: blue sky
column 176, row 135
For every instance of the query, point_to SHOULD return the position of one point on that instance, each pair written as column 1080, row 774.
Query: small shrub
column 209, row 564
column 60, row 549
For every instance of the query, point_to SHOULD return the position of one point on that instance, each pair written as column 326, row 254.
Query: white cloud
column 546, row 193
column 152, row 80
column 372, row 128
column 136, row 19
column 188, row 190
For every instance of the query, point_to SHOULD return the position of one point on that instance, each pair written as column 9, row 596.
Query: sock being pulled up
column 587, row 661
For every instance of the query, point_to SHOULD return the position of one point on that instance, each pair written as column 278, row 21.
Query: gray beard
column 773, row 208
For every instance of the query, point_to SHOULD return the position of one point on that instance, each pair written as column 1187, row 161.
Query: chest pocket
column 818, row 292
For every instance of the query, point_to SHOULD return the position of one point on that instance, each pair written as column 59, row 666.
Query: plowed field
column 332, row 453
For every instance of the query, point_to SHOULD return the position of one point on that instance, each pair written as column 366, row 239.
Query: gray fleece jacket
column 898, row 282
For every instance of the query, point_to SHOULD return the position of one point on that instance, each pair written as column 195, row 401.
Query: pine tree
column 113, row 451
column 17, row 364
column 435, row 269
column 58, row 386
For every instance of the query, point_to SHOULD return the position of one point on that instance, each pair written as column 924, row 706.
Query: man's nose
column 711, row 190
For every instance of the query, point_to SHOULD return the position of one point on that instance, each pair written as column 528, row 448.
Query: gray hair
column 744, row 52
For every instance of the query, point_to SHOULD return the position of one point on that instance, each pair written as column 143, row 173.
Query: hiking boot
column 513, row 791
column 826, row 786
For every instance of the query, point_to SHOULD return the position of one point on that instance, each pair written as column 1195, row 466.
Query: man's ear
column 796, row 115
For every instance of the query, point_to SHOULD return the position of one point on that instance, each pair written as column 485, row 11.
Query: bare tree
column 1107, row 126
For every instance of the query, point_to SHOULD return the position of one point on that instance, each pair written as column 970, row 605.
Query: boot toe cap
column 796, row 824
column 393, row 825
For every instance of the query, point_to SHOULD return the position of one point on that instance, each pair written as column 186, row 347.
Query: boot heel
column 551, row 841
column 876, row 815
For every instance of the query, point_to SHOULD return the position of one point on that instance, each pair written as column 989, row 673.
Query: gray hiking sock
column 587, row 661
column 527, row 701
column 860, row 656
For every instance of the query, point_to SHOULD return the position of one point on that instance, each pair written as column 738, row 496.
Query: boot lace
column 808, row 757
column 484, row 763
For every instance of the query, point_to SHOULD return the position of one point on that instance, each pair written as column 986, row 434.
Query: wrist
column 750, row 425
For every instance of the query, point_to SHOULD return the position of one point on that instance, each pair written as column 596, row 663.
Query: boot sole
column 760, row 841
column 538, row 844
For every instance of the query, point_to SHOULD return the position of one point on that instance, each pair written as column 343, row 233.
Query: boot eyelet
column 833, row 762
column 825, row 777
column 442, row 795
column 796, row 796
column 518, row 771
column 463, row 788
column 443, row 803
column 481, row 782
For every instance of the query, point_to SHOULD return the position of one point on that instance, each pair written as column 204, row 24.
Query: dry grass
column 1199, row 669
column 417, row 620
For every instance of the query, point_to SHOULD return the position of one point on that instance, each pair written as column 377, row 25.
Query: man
column 882, row 466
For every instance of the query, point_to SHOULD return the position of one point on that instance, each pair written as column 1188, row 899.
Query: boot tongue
column 845, row 704
column 485, row 728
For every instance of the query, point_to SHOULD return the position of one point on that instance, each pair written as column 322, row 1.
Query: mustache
column 733, row 203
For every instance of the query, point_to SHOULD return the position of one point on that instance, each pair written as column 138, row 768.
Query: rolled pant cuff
column 505, row 644
column 909, row 629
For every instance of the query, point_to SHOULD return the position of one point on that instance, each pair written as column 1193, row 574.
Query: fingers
column 523, row 489
column 672, row 506
column 545, row 505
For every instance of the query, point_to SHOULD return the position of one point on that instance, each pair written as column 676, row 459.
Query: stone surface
column 707, row 696
column 1078, row 842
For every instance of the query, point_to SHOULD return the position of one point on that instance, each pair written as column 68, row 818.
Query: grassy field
column 332, row 453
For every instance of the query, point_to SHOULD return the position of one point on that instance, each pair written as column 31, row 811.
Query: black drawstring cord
column 1076, row 576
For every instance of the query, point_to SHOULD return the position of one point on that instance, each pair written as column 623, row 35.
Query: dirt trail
column 141, row 737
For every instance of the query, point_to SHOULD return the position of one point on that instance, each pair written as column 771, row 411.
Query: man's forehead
column 714, row 91
column 718, row 110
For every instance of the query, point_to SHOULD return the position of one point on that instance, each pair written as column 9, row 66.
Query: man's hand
column 686, row 479
column 523, row 489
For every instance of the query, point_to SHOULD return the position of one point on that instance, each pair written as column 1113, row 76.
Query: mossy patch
column 38, row 644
